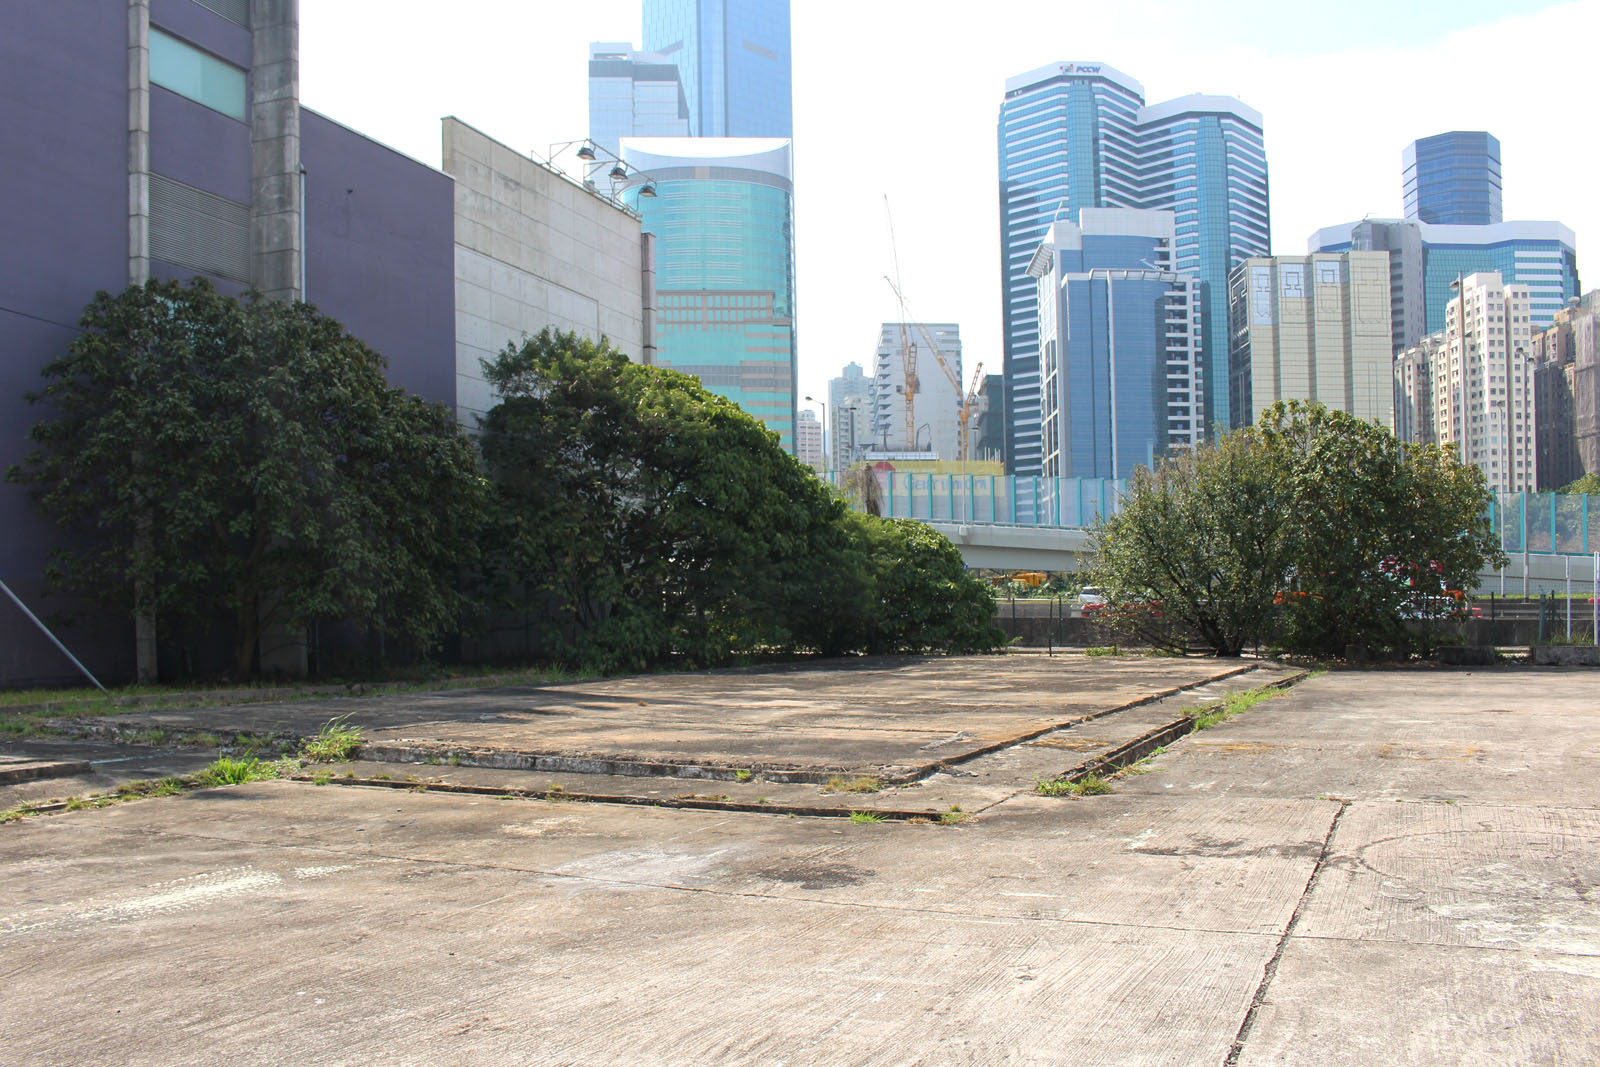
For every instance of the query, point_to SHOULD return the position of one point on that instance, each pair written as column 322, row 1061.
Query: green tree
column 923, row 598
column 1589, row 483
column 1382, row 530
column 246, row 460
column 1199, row 544
column 655, row 518
column 1312, row 529
column 648, row 519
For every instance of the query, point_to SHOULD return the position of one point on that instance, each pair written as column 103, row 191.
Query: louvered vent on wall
column 232, row 10
column 198, row 230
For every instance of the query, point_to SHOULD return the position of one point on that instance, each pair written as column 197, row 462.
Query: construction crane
column 908, row 350
column 908, row 355
column 969, row 407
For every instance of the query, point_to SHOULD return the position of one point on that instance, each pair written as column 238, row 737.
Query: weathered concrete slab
column 458, row 929
column 15, row 769
column 1359, row 1003
column 1260, row 880
column 1516, row 735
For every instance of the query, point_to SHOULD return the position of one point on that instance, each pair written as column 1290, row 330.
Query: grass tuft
column 1090, row 785
column 337, row 742
column 864, row 783
column 860, row 817
column 230, row 771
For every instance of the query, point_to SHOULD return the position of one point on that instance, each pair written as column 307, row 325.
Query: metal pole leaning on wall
column 46, row 631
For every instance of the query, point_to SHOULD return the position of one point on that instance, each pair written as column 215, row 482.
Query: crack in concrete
column 1271, row 970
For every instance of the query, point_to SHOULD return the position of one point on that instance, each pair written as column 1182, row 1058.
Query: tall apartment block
column 1480, row 396
column 1079, row 135
column 1119, row 342
column 633, row 94
column 849, row 416
column 734, row 60
column 808, row 439
column 1566, row 357
column 1312, row 328
column 1452, row 179
column 929, row 422
column 723, row 220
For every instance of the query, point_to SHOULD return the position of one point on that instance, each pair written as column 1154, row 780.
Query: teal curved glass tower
column 723, row 217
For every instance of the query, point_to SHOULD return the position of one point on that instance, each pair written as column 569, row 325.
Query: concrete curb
column 34, row 769
column 630, row 799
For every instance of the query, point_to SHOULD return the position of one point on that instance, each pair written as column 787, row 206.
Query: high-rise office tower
column 723, row 218
column 734, row 60
column 849, row 416
column 1079, row 135
column 1119, row 340
column 930, row 422
column 1540, row 255
column 1312, row 328
column 1453, row 179
column 633, row 94
column 1063, row 129
column 723, row 206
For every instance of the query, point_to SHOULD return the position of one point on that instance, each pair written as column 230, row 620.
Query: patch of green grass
column 1234, row 704
column 321, row 778
column 742, row 776
column 864, row 783
column 337, row 742
column 1102, row 650
column 953, row 816
column 1090, row 785
column 454, row 760
column 230, row 771
column 859, row 817
column 204, row 739
column 763, row 800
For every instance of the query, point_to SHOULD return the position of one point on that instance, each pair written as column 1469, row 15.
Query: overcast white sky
column 892, row 97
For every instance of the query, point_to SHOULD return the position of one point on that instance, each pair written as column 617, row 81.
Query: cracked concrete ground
column 1377, row 867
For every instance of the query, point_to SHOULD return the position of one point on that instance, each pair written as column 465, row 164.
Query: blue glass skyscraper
column 1453, row 179
column 1065, row 131
column 1078, row 135
column 1119, row 344
column 734, row 59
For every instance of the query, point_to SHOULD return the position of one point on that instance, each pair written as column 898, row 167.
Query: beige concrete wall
column 534, row 249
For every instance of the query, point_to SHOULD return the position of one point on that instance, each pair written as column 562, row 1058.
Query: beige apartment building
column 1314, row 327
column 1471, row 387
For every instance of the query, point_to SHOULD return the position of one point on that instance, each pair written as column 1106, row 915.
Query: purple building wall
column 64, row 217
column 380, row 250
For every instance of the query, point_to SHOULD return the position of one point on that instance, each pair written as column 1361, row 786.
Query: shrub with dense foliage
column 648, row 520
column 1312, row 530
column 246, row 460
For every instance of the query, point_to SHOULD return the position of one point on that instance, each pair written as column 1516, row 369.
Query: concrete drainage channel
column 412, row 754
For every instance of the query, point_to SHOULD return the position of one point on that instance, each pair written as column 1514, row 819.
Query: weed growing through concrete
column 1090, row 785
column 336, row 742
column 763, row 800
column 230, row 771
column 742, row 776
column 321, row 779
column 1234, row 704
column 860, row 817
column 864, row 783
column 953, row 816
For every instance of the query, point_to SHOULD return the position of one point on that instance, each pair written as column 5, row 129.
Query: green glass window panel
column 198, row 75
